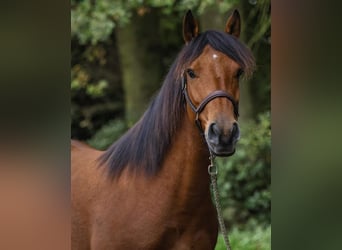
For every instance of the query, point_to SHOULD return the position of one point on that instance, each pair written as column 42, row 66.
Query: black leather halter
column 210, row 97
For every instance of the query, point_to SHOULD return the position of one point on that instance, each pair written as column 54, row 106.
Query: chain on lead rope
column 212, row 170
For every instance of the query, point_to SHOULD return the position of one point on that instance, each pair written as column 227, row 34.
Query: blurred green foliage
column 80, row 80
column 258, row 238
column 244, row 179
column 109, row 133
column 94, row 21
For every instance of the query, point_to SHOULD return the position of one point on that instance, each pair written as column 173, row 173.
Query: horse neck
column 185, row 167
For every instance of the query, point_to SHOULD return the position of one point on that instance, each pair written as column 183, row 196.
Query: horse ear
column 190, row 27
column 233, row 24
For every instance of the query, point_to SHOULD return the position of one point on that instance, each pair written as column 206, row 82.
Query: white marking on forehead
column 215, row 56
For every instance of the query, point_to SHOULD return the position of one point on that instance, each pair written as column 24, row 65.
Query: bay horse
column 150, row 189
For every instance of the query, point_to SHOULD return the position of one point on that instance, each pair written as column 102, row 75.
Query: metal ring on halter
column 212, row 169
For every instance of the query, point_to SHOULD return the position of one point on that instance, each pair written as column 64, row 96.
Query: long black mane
column 144, row 146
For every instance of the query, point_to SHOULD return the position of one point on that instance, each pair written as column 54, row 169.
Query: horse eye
column 239, row 73
column 191, row 73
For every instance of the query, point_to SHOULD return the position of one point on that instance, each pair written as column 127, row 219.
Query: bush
column 256, row 239
column 244, row 179
column 108, row 133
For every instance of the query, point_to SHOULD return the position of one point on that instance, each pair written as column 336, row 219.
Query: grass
column 258, row 239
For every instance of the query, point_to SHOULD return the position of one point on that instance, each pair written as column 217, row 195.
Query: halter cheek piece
column 210, row 97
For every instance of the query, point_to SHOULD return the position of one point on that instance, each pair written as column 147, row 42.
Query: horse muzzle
column 222, row 141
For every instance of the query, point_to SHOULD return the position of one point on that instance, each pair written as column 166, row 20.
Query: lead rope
column 212, row 170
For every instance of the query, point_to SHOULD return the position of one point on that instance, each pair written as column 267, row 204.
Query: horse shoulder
column 85, row 178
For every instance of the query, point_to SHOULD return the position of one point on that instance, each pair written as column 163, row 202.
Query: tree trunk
column 212, row 19
column 257, row 34
column 140, row 62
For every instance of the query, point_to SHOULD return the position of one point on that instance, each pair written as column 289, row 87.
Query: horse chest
column 166, row 237
column 189, row 229
column 180, row 237
column 189, row 237
column 158, row 226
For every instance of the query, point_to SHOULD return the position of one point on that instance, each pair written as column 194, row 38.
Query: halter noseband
column 210, row 97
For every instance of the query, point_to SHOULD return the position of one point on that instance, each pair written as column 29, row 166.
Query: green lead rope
column 212, row 170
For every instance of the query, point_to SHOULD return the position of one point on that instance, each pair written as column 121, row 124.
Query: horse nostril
column 235, row 131
column 213, row 129
column 214, row 133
